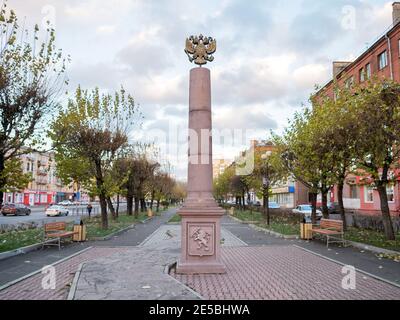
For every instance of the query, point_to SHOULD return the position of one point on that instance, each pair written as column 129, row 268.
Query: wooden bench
column 56, row 231
column 330, row 229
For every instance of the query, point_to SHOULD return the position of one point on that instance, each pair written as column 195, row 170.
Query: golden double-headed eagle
column 199, row 49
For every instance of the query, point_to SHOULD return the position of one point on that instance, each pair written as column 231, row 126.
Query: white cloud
column 305, row 77
column 106, row 29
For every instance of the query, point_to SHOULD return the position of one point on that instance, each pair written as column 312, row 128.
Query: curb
column 372, row 249
column 72, row 290
column 241, row 221
column 273, row 233
column 343, row 264
column 9, row 284
column 22, row 250
column 114, row 234
column 119, row 232
column 167, row 270
column 257, row 228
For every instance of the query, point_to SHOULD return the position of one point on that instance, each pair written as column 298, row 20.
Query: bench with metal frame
column 331, row 229
column 54, row 232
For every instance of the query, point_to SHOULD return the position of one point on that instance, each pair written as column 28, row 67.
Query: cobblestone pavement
column 31, row 288
column 138, row 274
column 282, row 273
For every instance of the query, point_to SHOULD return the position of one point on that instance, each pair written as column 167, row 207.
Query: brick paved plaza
column 31, row 288
column 275, row 271
column 283, row 273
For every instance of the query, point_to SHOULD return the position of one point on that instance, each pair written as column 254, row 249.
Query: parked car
column 56, row 210
column 65, row 203
column 333, row 208
column 306, row 210
column 15, row 209
column 274, row 205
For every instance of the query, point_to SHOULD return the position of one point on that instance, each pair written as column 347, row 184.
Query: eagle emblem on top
column 199, row 49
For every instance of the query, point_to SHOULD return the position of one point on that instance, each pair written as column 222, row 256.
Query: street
column 38, row 215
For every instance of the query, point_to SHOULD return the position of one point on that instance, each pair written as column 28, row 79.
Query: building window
column 362, row 75
column 27, row 166
column 382, row 60
column 390, row 193
column 354, row 192
column 369, row 194
column 349, row 82
column 399, row 47
column 368, row 71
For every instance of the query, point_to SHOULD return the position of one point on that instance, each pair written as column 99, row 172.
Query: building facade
column 290, row 194
column 219, row 166
column 382, row 59
column 45, row 187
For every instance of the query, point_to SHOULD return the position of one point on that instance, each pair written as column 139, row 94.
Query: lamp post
column 266, row 184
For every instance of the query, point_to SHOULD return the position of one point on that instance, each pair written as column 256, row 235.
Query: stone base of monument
column 201, row 231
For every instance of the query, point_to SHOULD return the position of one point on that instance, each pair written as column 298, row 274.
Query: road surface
column 38, row 215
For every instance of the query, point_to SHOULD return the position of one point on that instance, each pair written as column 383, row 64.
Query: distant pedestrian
column 89, row 209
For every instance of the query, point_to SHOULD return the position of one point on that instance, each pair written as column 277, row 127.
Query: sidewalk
column 360, row 259
column 267, row 268
column 19, row 266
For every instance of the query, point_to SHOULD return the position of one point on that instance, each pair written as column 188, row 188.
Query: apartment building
column 45, row 187
column 382, row 59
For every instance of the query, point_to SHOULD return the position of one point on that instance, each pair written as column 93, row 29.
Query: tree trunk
column 325, row 211
column 129, row 205
column 341, row 204
column 117, row 209
column 267, row 206
column 314, row 207
column 111, row 207
column 158, row 205
column 152, row 199
column 2, row 182
column 102, row 195
column 143, row 205
column 386, row 218
column 103, row 208
column 136, row 207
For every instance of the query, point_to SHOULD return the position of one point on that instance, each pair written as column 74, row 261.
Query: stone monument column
column 201, row 227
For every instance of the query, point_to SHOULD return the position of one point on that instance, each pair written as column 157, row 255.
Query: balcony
column 41, row 181
column 42, row 172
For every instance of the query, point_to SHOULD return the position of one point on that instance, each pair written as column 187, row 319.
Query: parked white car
column 306, row 210
column 56, row 211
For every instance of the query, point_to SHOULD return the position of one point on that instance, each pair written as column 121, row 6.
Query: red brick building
column 383, row 60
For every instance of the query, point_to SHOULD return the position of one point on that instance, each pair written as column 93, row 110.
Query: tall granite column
column 201, row 228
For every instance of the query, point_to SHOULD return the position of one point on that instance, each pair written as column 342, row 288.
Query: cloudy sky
column 270, row 56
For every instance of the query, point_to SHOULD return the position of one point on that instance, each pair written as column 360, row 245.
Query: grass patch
column 94, row 229
column 17, row 239
column 248, row 215
column 175, row 219
column 283, row 224
column 374, row 238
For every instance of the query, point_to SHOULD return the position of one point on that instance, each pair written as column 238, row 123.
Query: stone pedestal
column 201, row 227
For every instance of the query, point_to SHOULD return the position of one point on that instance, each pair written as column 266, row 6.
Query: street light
column 266, row 183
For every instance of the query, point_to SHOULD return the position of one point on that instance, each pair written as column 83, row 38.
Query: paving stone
column 286, row 273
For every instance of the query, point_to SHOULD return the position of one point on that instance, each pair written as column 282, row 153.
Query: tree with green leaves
column 13, row 176
column 337, row 126
column 268, row 171
column 378, row 138
column 31, row 80
column 296, row 148
column 95, row 127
